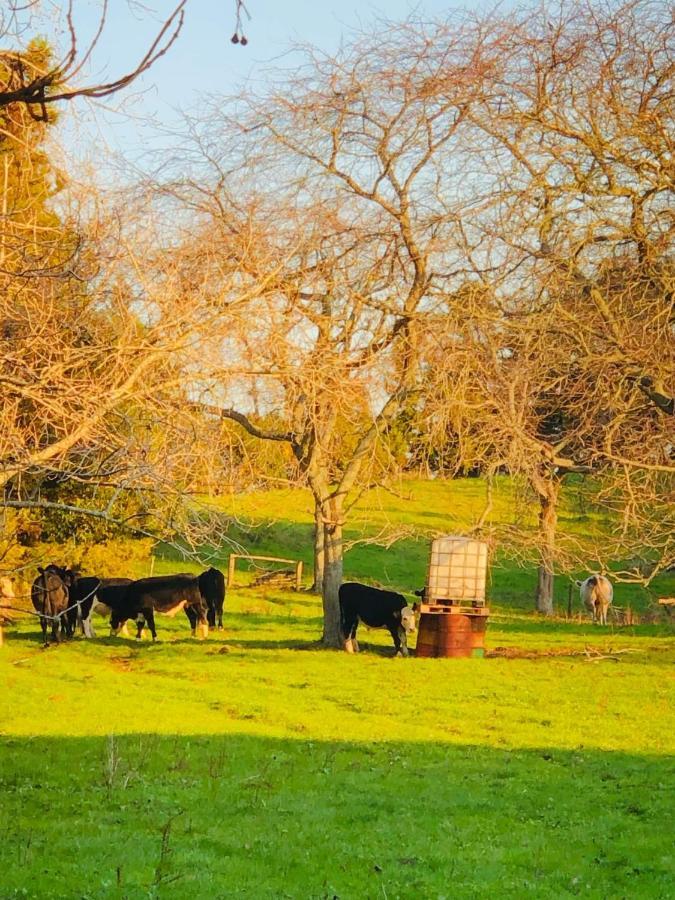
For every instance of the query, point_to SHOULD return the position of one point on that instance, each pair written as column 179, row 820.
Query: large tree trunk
column 319, row 551
column 332, row 578
column 548, row 490
column 544, row 595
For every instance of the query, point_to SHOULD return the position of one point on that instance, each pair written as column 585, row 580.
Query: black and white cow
column 376, row 609
column 49, row 595
column 96, row 595
column 166, row 594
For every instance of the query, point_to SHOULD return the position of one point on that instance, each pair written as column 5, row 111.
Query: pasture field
column 280, row 523
column 253, row 764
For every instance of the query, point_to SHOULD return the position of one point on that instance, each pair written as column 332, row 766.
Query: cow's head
column 67, row 576
column 408, row 619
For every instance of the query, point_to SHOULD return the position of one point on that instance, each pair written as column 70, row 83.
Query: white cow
column 596, row 595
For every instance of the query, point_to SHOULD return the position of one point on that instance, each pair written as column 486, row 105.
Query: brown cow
column 49, row 595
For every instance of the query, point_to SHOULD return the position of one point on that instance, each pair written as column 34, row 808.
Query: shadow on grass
column 295, row 599
column 214, row 815
column 262, row 644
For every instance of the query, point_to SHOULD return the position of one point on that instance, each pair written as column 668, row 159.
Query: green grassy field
column 280, row 523
column 253, row 764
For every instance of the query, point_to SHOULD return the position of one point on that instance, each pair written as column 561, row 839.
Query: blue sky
column 203, row 59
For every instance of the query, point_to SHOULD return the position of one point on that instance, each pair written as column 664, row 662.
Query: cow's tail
column 343, row 621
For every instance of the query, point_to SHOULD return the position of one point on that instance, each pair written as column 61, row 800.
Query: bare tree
column 37, row 82
column 575, row 142
column 91, row 351
column 336, row 195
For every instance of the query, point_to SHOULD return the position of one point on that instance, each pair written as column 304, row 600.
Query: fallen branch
column 588, row 653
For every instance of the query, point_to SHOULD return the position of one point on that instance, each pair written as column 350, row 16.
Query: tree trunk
column 544, row 596
column 332, row 577
column 548, row 519
column 319, row 552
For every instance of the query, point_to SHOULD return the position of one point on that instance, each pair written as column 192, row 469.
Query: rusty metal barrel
column 453, row 613
column 451, row 634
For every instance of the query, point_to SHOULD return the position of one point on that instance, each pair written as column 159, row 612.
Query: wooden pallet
column 265, row 577
column 280, row 578
column 454, row 609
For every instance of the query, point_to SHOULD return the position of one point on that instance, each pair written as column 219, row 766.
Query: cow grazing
column 596, row 595
column 166, row 594
column 49, row 594
column 376, row 609
column 96, row 595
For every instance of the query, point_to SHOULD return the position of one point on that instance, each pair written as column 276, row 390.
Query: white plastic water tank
column 457, row 570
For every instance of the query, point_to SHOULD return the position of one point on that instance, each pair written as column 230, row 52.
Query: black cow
column 212, row 588
column 376, row 609
column 95, row 595
column 49, row 594
column 165, row 594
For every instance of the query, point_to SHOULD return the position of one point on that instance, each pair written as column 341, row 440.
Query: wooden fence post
column 230, row 569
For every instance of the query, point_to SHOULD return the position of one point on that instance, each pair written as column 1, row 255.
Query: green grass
column 277, row 770
column 253, row 764
column 280, row 523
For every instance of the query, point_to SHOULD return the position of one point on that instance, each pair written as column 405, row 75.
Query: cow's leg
column 350, row 623
column 220, row 618
column 192, row 618
column 78, row 620
column 403, row 636
column 203, row 624
column 397, row 632
column 352, row 635
column 43, row 626
column 140, row 622
column 73, row 616
column 150, row 622
column 351, row 644
column 88, row 627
